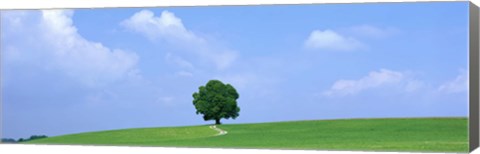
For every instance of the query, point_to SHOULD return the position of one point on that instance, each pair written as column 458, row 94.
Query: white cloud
column 331, row 40
column 170, row 29
column 459, row 84
column 167, row 27
column 395, row 80
column 372, row 80
column 51, row 39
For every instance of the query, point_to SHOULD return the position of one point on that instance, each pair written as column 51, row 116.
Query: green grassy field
column 397, row 134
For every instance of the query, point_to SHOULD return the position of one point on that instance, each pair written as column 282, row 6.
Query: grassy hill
column 397, row 134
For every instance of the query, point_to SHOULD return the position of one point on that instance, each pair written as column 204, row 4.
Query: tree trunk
column 217, row 122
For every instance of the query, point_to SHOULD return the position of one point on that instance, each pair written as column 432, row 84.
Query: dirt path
column 220, row 131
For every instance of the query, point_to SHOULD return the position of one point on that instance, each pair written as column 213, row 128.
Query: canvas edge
column 474, row 68
column 1, row 82
column 473, row 118
column 79, row 4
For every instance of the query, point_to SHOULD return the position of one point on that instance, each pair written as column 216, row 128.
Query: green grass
column 397, row 134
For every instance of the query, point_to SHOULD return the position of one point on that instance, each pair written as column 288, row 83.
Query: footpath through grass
column 397, row 134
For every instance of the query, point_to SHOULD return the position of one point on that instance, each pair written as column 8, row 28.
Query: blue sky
column 70, row 71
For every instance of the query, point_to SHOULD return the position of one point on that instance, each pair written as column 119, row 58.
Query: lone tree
column 216, row 101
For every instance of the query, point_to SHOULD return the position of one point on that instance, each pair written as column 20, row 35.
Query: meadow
column 387, row 134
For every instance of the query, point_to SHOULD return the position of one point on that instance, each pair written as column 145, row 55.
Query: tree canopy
column 216, row 100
